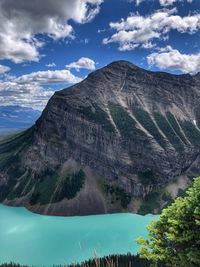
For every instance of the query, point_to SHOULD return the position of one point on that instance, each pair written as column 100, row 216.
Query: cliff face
column 114, row 142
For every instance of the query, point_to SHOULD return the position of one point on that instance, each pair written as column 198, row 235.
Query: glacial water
column 38, row 240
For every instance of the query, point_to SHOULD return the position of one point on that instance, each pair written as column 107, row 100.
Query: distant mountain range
column 123, row 139
column 16, row 117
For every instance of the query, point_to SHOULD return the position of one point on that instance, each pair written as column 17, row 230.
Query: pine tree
column 174, row 239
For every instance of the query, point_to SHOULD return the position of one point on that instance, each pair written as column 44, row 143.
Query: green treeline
column 110, row 261
column 54, row 187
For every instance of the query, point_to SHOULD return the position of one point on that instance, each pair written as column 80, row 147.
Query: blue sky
column 49, row 45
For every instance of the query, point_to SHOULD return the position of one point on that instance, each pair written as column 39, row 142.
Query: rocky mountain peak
column 123, row 64
column 198, row 75
column 106, row 144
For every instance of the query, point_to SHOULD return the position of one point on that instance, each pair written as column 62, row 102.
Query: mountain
column 15, row 117
column 123, row 139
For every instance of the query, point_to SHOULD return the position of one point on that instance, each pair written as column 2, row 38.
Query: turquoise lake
column 32, row 239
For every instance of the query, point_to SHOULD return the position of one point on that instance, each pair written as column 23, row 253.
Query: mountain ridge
column 108, row 144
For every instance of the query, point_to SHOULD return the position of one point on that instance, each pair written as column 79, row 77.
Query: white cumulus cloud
column 137, row 30
column 28, row 90
column 137, row 2
column 48, row 77
column 171, row 2
column 82, row 63
column 51, row 65
column 163, row 3
column 21, row 21
column 4, row 69
column 169, row 58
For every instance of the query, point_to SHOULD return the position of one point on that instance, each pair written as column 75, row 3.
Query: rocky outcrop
column 106, row 144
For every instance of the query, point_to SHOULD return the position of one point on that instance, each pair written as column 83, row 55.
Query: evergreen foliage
column 70, row 186
column 97, row 115
column 127, row 125
column 150, row 203
column 144, row 118
column 174, row 124
column 168, row 131
column 109, row 261
column 191, row 132
column 148, row 177
column 174, row 239
column 54, row 187
column 117, row 194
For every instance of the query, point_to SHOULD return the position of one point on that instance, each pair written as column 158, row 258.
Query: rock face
column 112, row 143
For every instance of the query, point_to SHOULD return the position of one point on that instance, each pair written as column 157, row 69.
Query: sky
column 49, row 45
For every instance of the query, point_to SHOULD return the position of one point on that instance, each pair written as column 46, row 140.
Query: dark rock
column 118, row 125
